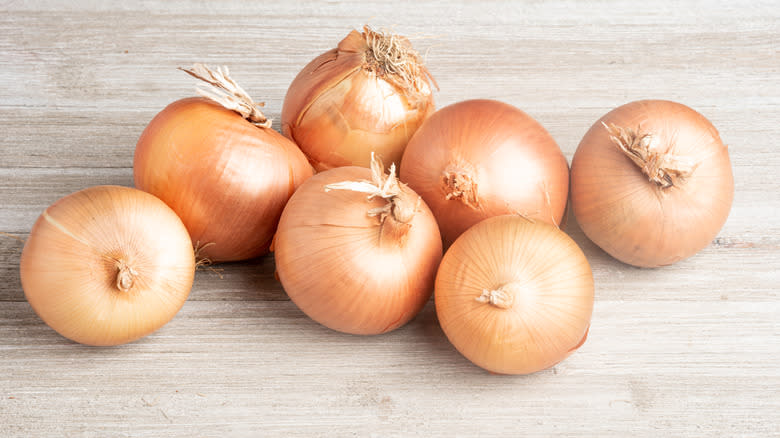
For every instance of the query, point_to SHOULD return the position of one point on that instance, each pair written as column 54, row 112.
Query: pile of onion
column 107, row 265
column 651, row 183
column 481, row 158
column 218, row 164
column 357, row 251
column 514, row 296
column 368, row 95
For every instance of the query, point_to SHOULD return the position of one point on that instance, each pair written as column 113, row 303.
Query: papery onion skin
column 510, row 160
column 227, row 179
column 634, row 219
column 334, row 264
column 545, row 313
column 343, row 106
column 88, row 244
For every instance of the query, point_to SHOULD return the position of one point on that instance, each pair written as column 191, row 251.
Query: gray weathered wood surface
column 688, row 350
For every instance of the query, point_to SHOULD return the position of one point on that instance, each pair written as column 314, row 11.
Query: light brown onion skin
column 635, row 220
column 552, row 295
column 338, row 111
column 332, row 264
column 69, row 265
column 517, row 165
column 227, row 179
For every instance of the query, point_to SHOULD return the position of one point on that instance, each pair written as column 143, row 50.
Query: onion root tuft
column 459, row 184
column 392, row 57
column 501, row 297
column 125, row 276
column 662, row 168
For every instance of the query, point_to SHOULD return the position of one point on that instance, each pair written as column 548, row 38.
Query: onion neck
column 395, row 226
column 125, row 276
column 662, row 168
column 401, row 203
column 502, row 297
column 223, row 90
column 459, row 184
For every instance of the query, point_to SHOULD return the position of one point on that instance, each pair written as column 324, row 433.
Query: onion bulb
column 370, row 94
column 357, row 251
column 651, row 183
column 218, row 164
column 482, row 158
column 107, row 265
column 514, row 296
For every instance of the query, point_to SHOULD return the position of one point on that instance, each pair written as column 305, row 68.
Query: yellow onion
column 218, row 164
column 107, row 265
column 514, row 296
column 651, row 183
column 357, row 251
column 370, row 94
column 481, row 158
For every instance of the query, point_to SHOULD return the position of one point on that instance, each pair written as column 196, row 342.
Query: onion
column 482, row 158
column 651, row 183
column 107, row 265
column 514, row 296
column 370, row 94
column 355, row 263
column 218, row 164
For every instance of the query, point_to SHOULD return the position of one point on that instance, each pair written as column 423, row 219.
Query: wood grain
column 687, row 350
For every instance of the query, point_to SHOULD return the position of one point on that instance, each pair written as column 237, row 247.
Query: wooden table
column 687, row 350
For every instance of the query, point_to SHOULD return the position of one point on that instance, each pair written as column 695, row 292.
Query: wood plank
column 25, row 193
column 633, row 375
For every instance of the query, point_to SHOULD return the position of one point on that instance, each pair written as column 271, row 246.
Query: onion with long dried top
column 107, row 265
column 357, row 251
column 482, row 158
column 651, row 183
column 370, row 94
column 514, row 296
column 216, row 161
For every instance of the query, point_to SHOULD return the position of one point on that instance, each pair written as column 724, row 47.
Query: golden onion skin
column 513, row 165
column 226, row 178
column 343, row 106
column 544, row 310
column 634, row 219
column 84, row 244
column 338, row 267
